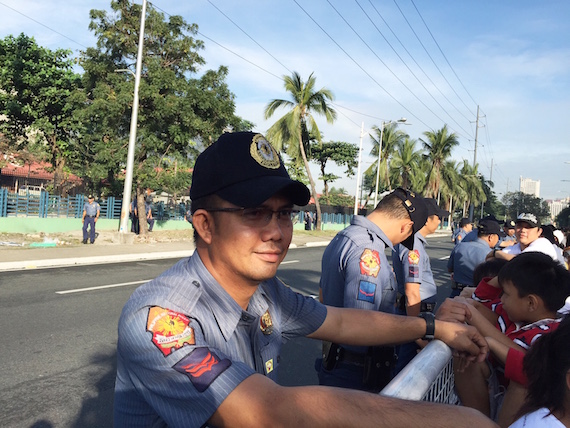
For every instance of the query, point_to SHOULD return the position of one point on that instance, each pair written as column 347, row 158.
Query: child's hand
column 454, row 310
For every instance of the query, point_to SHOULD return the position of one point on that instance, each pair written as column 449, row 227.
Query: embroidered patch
column 370, row 263
column 266, row 323
column 414, row 271
column 269, row 366
column 264, row 153
column 202, row 366
column 170, row 330
column 366, row 291
column 414, row 257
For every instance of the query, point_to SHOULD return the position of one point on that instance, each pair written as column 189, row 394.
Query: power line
column 43, row 25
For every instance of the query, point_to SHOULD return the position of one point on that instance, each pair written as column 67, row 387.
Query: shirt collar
column 224, row 308
column 361, row 221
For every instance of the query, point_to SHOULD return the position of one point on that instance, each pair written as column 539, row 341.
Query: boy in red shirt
column 513, row 310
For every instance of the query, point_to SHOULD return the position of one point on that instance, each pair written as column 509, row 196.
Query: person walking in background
column 149, row 218
column 308, row 220
column 134, row 216
column 91, row 211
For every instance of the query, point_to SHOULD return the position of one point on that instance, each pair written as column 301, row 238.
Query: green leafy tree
column 438, row 146
column 36, row 87
column 471, row 184
column 293, row 131
column 341, row 153
column 179, row 114
column 563, row 218
column 518, row 202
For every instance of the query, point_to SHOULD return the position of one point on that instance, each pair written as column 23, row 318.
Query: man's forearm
column 257, row 401
column 413, row 299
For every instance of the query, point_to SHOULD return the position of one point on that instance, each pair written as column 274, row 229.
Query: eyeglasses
column 260, row 216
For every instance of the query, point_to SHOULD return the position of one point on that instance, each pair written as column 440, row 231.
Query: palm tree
column 292, row 132
column 405, row 164
column 391, row 138
column 471, row 184
column 438, row 147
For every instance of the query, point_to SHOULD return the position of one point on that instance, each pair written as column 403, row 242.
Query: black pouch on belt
column 379, row 362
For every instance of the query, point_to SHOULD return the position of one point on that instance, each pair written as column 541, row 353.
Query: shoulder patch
column 370, row 263
column 202, row 367
column 170, row 330
column 413, row 257
column 366, row 291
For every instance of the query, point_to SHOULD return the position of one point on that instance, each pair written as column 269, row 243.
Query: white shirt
column 538, row 418
column 541, row 245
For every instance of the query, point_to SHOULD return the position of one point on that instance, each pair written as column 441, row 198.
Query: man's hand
column 467, row 292
column 465, row 340
column 453, row 310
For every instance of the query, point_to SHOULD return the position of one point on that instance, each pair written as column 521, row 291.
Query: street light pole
column 357, row 195
column 123, row 228
column 384, row 123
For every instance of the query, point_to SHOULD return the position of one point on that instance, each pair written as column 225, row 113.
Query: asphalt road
column 59, row 336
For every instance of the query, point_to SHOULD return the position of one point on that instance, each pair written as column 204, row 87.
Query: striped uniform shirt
column 184, row 344
column 356, row 272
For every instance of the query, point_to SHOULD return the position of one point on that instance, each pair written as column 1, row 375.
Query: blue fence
column 42, row 204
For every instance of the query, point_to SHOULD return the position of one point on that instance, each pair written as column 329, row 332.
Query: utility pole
column 471, row 208
column 357, row 195
column 123, row 228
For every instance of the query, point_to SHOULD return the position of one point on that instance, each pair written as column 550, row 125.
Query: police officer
column 133, row 211
column 91, row 211
column 356, row 274
column 200, row 344
column 466, row 257
column 465, row 226
column 148, row 213
column 416, row 287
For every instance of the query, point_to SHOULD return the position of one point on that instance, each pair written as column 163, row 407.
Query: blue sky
column 512, row 59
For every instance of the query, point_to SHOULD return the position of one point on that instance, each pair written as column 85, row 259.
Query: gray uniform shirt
column 356, row 272
column 414, row 266
column 184, row 344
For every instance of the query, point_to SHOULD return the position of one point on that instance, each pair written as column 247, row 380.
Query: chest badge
column 269, row 366
column 266, row 323
column 370, row 263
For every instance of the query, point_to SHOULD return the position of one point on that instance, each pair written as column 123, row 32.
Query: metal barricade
column 428, row 377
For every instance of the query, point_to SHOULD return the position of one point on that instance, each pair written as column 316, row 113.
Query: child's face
column 514, row 305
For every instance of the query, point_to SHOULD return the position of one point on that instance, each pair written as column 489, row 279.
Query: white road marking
column 101, row 287
column 444, row 258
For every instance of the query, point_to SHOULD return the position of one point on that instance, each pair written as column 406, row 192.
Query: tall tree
column 438, row 147
column 293, row 130
column 518, row 202
column 179, row 114
column 341, row 153
column 405, row 164
column 36, row 85
column 471, row 184
column 391, row 138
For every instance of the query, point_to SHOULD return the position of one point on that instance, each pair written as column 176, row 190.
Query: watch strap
column 429, row 318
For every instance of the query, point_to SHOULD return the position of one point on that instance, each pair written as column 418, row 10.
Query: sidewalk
column 107, row 249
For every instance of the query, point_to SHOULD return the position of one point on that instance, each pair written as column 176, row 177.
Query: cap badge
column 264, row 153
column 266, row 323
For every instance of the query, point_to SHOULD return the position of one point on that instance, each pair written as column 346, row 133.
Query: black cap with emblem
column 417, row 210
column 245, row 170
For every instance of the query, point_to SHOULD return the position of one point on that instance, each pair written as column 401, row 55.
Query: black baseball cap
column 244, row 169
column 464, row 222
column 488, row 226
column 417, row 210
column 509, row 224
column 434, row 209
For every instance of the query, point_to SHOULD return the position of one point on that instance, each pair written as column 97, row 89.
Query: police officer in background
column 91, row 211
column 356, row 274
column 416, row 287
column 466, row 257
column 465, row 226
column 200, row 345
